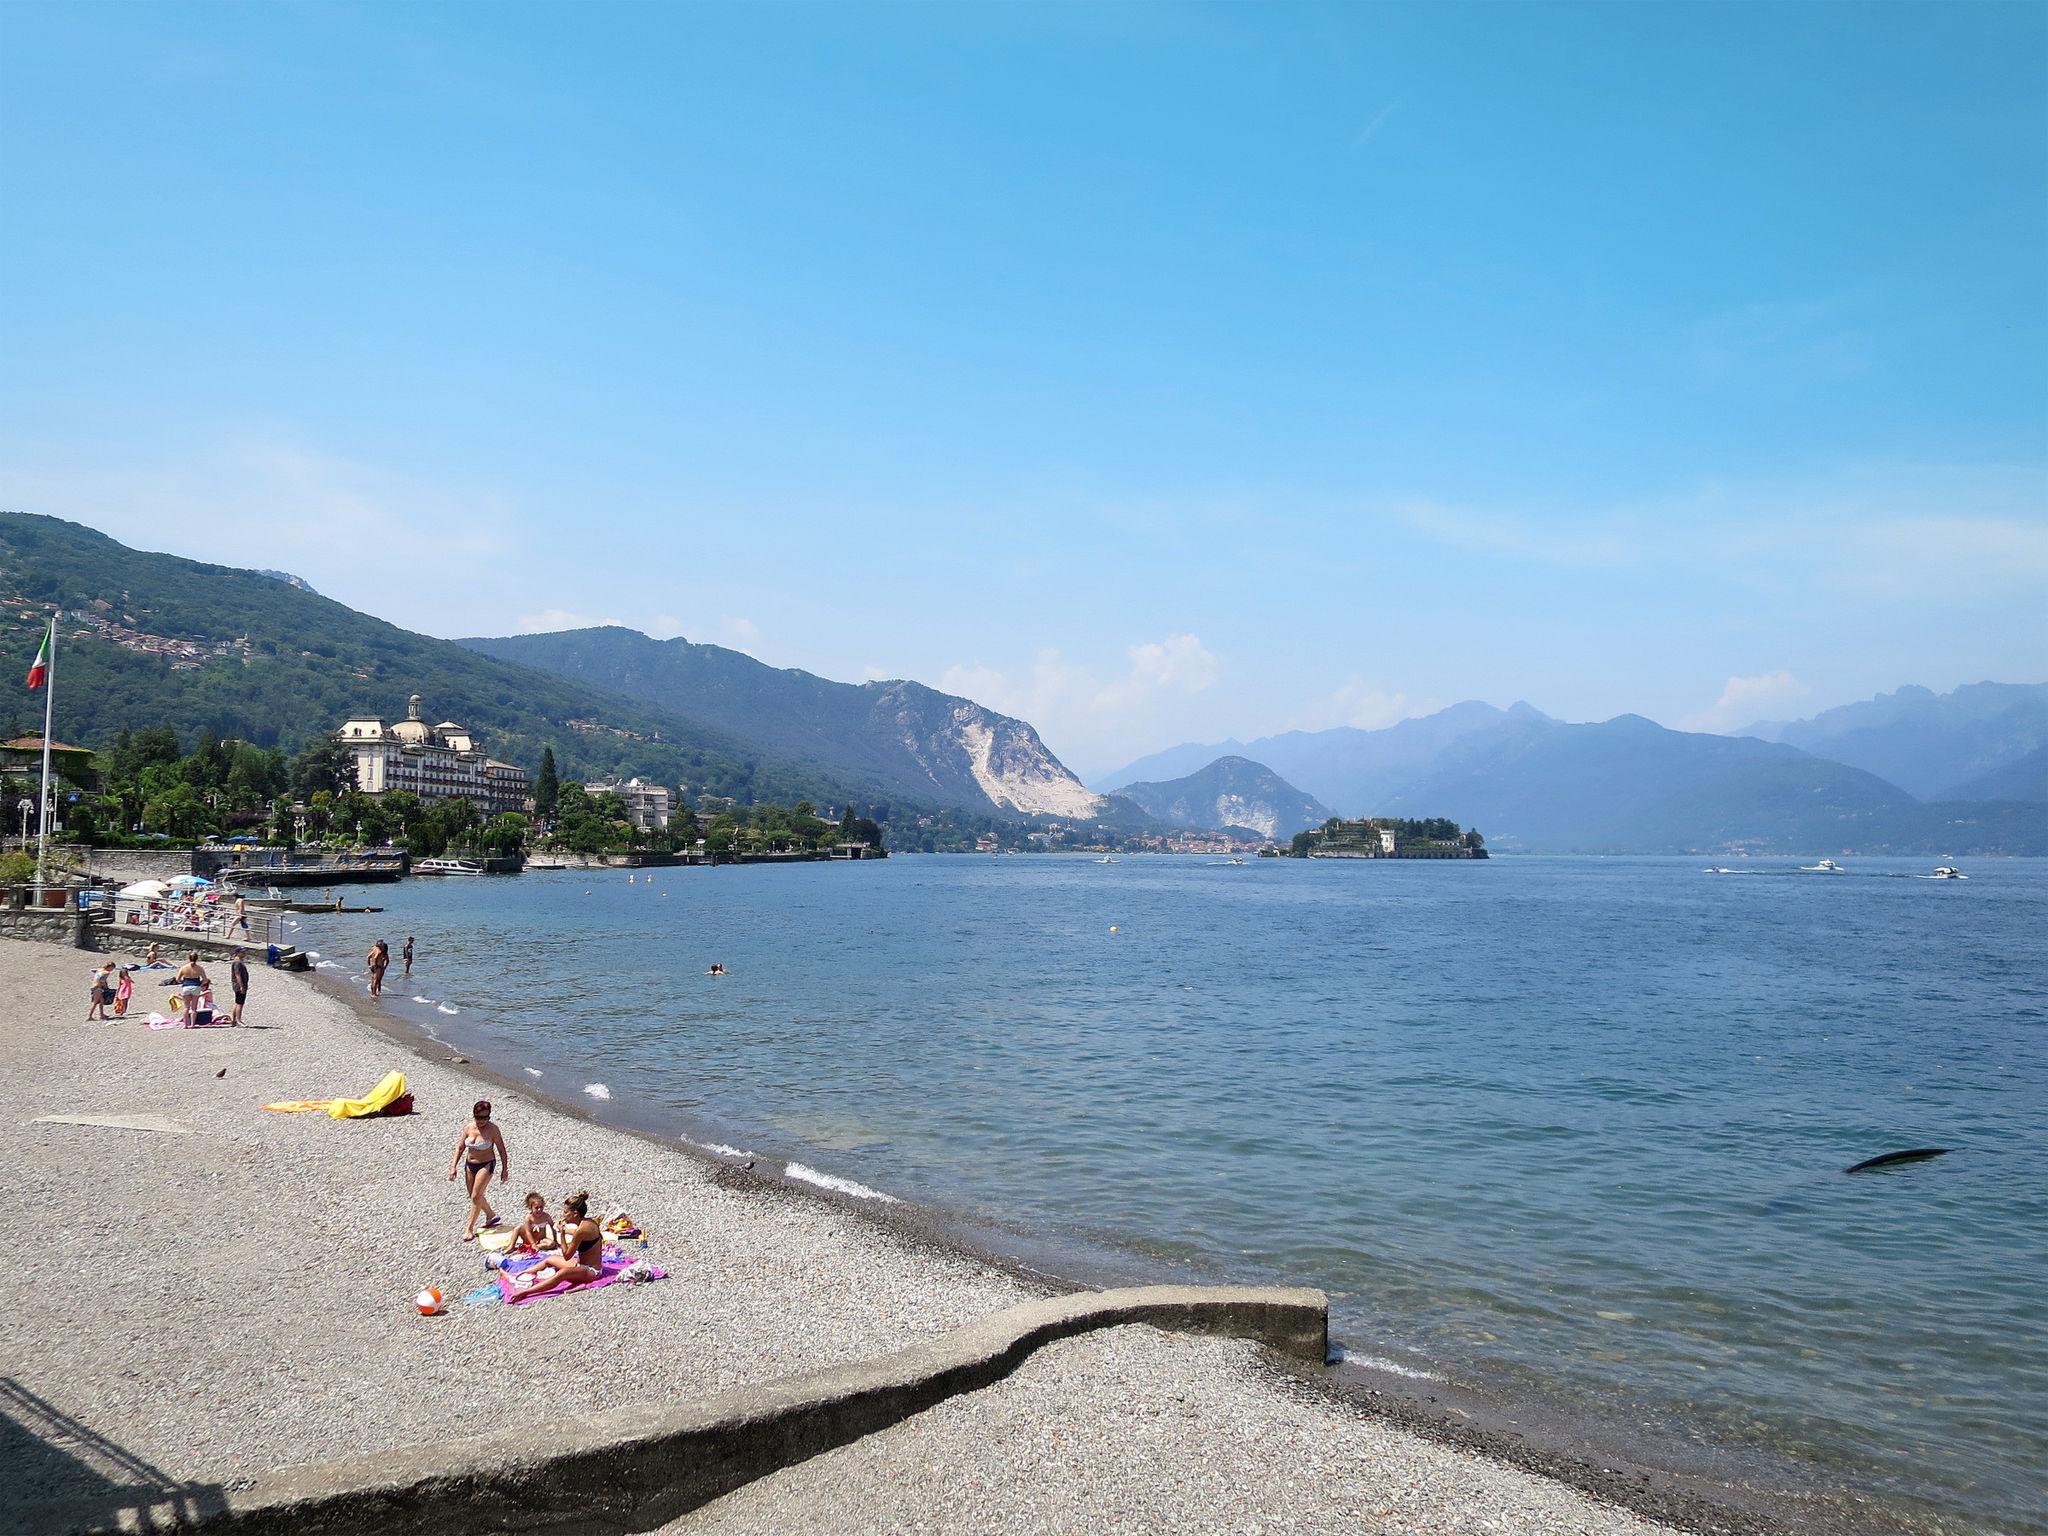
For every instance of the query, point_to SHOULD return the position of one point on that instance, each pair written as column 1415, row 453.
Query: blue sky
column 1157, row 372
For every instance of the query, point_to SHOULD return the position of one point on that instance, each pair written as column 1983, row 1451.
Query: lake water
column 1577, row 1124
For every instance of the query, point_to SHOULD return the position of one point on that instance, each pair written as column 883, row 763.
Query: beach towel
column 381, row 1099
column 371, row 1103
column 612, row 1263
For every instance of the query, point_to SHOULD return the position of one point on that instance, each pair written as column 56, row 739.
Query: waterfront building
column 435, row 762
column 648, row 806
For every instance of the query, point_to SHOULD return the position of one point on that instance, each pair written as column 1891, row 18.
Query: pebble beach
column 231, row 1294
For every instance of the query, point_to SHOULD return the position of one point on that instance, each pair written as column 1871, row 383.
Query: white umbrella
column 143, row 890
column 189, row 882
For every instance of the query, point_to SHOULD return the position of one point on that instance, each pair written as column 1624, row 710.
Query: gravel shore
column 200, row 1308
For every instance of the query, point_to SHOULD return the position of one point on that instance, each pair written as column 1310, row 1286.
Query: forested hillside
column 151, row 639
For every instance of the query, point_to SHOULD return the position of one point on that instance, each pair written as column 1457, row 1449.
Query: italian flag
column 39, row 669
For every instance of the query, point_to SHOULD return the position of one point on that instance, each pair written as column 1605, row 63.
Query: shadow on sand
column 65, row 1476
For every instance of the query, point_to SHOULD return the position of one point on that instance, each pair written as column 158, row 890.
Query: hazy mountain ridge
column 1351, row 769
column 2025, row 781
column 902, row 736
column 1933, row 745
column 1629, row 785
column 1231, row 792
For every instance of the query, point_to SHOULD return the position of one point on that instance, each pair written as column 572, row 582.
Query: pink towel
column 611, row 1265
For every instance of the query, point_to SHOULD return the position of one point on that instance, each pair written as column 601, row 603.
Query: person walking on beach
column 481, row 1148
column 238, row 978
column 407, row 955
column 101, row 997
column 241, row 915
column 379, row 961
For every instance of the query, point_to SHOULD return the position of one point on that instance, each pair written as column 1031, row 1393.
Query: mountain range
column 1629, row 785
column 151, row 639
column 1937, row 746
column 1351, row 769
column 1231, row 794
column 900, row 738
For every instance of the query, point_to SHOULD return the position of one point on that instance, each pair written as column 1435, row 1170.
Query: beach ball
column 428, row 1301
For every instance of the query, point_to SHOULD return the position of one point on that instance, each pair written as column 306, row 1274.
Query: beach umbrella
column 142, row 890
column 189, row 882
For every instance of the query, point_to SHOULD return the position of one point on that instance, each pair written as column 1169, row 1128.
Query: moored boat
column 447, row 867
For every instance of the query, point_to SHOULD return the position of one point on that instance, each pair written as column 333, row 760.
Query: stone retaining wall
column 125, row 866
column 48, row 925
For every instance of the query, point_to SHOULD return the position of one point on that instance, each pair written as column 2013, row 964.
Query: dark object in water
column 1914, row 1155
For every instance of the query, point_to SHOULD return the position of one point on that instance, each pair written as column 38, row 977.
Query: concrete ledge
column 632, row 1469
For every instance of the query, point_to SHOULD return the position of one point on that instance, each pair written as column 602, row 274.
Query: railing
column 167, row 922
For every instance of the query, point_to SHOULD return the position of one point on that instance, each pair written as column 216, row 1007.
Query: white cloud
column 1178, row 662
column 740, row 634
column 549, row 620
column 1513, row 537
column 1076, row 702
column 1745, row 701
column 871, row 673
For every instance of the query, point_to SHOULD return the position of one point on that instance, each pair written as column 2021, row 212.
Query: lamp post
column 24, row 805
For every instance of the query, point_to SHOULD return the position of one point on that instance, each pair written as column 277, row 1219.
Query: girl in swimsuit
column 481, row 1148
column 538, row 1230
column 582, row 1255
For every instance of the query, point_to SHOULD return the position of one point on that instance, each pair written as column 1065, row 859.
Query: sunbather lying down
column 581, row 1254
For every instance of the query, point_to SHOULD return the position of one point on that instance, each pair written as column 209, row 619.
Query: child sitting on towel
column 538, row 1231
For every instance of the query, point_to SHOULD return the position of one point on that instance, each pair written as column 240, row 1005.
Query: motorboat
column 1828, row 866
column 1948, row 872
column 1109, row 859
column 448, row 867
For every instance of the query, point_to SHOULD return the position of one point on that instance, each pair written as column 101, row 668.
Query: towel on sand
column 612, row 1263
column 375, row 1102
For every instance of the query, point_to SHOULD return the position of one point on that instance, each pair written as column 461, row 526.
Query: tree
column 547, row 787
column 504, row 834
column 178, row 812
column 326, row 765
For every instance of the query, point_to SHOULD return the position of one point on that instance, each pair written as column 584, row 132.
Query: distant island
column 1385, row 837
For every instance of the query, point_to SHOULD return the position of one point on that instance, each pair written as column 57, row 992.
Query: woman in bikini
column 378, row 960
column 582, row 1255
column 481, row 1148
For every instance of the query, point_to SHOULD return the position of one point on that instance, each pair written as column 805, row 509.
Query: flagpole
column 49, row 713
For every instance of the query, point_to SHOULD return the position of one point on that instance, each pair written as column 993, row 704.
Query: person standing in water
column 379, row 961
column 406, row 954
column 481, row 1148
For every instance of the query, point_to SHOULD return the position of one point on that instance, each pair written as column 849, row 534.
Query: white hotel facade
column 435, row 762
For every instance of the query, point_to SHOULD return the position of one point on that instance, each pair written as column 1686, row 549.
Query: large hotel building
column 435, row 762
